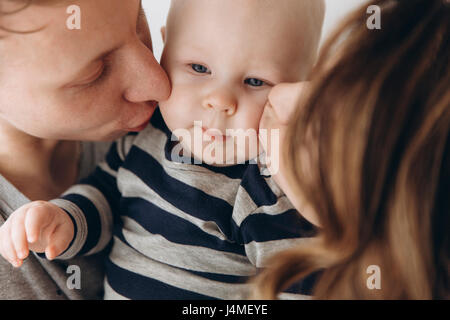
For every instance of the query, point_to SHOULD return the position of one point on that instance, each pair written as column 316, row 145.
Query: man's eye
column 199, row 68
column 254, row 82
column 99, row 77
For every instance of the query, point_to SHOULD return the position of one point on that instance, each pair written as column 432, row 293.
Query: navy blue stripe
column 92, row 218
column 158, row 122
column 226, row 278
column 181, row 195
column 138, row 287
column 112, row 158
column 107, row 185
column 232, row 172
column 263, row 227
column 306, row 285
column 175, row 229
column 75, row 231
column 257, row 188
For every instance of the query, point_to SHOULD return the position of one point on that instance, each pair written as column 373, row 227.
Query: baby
column 190, row 218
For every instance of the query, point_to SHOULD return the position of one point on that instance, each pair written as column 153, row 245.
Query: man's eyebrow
column 85, row 67
column 104, row 54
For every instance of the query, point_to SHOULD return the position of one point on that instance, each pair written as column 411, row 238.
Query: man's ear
column 163, row 34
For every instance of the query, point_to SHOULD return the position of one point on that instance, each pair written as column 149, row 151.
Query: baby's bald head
column 290, row 21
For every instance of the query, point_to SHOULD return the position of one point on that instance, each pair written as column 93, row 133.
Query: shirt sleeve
column 93, row 204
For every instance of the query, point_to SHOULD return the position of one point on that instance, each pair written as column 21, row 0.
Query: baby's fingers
column 19, row 237
column 7, row 247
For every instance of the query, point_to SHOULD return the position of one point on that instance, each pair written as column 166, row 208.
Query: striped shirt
column 180, row 231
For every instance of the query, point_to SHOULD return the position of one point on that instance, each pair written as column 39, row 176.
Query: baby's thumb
column 59, row 241
column 37, row 219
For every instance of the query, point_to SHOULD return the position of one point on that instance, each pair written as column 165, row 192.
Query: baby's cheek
column 175, row 111
column 250, row 119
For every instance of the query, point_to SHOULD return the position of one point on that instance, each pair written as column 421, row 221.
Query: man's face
column 95, row 83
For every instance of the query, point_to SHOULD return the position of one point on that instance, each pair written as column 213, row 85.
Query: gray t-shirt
column 42, row 279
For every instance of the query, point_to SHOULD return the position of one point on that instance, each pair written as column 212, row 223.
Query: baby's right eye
column 199, row 68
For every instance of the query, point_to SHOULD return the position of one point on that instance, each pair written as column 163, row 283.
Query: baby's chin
column 222, row 162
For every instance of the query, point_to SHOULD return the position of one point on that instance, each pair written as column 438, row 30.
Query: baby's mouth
column 214, row 134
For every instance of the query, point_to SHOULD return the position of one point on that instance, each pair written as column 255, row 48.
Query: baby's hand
column 38, row 226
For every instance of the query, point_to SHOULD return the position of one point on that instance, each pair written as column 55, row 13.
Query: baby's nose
column 221, row 101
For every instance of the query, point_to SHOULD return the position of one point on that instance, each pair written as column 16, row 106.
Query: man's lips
column 144, row 125
column 140, row 128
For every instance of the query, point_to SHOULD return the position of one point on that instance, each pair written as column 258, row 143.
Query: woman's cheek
column 268, row 120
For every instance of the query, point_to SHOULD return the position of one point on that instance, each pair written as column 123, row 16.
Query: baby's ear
column 163, row 33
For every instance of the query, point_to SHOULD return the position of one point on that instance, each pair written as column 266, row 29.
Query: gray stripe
column 129, row 259
column 105, row 167
column 245, row 207
column 189, row 257
column 110, row 294
column 283, row 204
column 124, row 145
column 81, row 223
column 293, row 296
column 259, row 252
column 274, row 186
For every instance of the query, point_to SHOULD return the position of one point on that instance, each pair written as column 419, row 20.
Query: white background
column 157, row 12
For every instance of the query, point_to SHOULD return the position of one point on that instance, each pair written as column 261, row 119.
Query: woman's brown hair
column 370, row 152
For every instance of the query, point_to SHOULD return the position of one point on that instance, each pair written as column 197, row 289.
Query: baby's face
column 223, row 58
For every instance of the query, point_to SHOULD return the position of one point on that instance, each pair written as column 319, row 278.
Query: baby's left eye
column 254, row 82
column 199, row 68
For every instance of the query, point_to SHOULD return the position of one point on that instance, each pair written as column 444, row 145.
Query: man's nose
column 147, row 81
column 221, row 100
